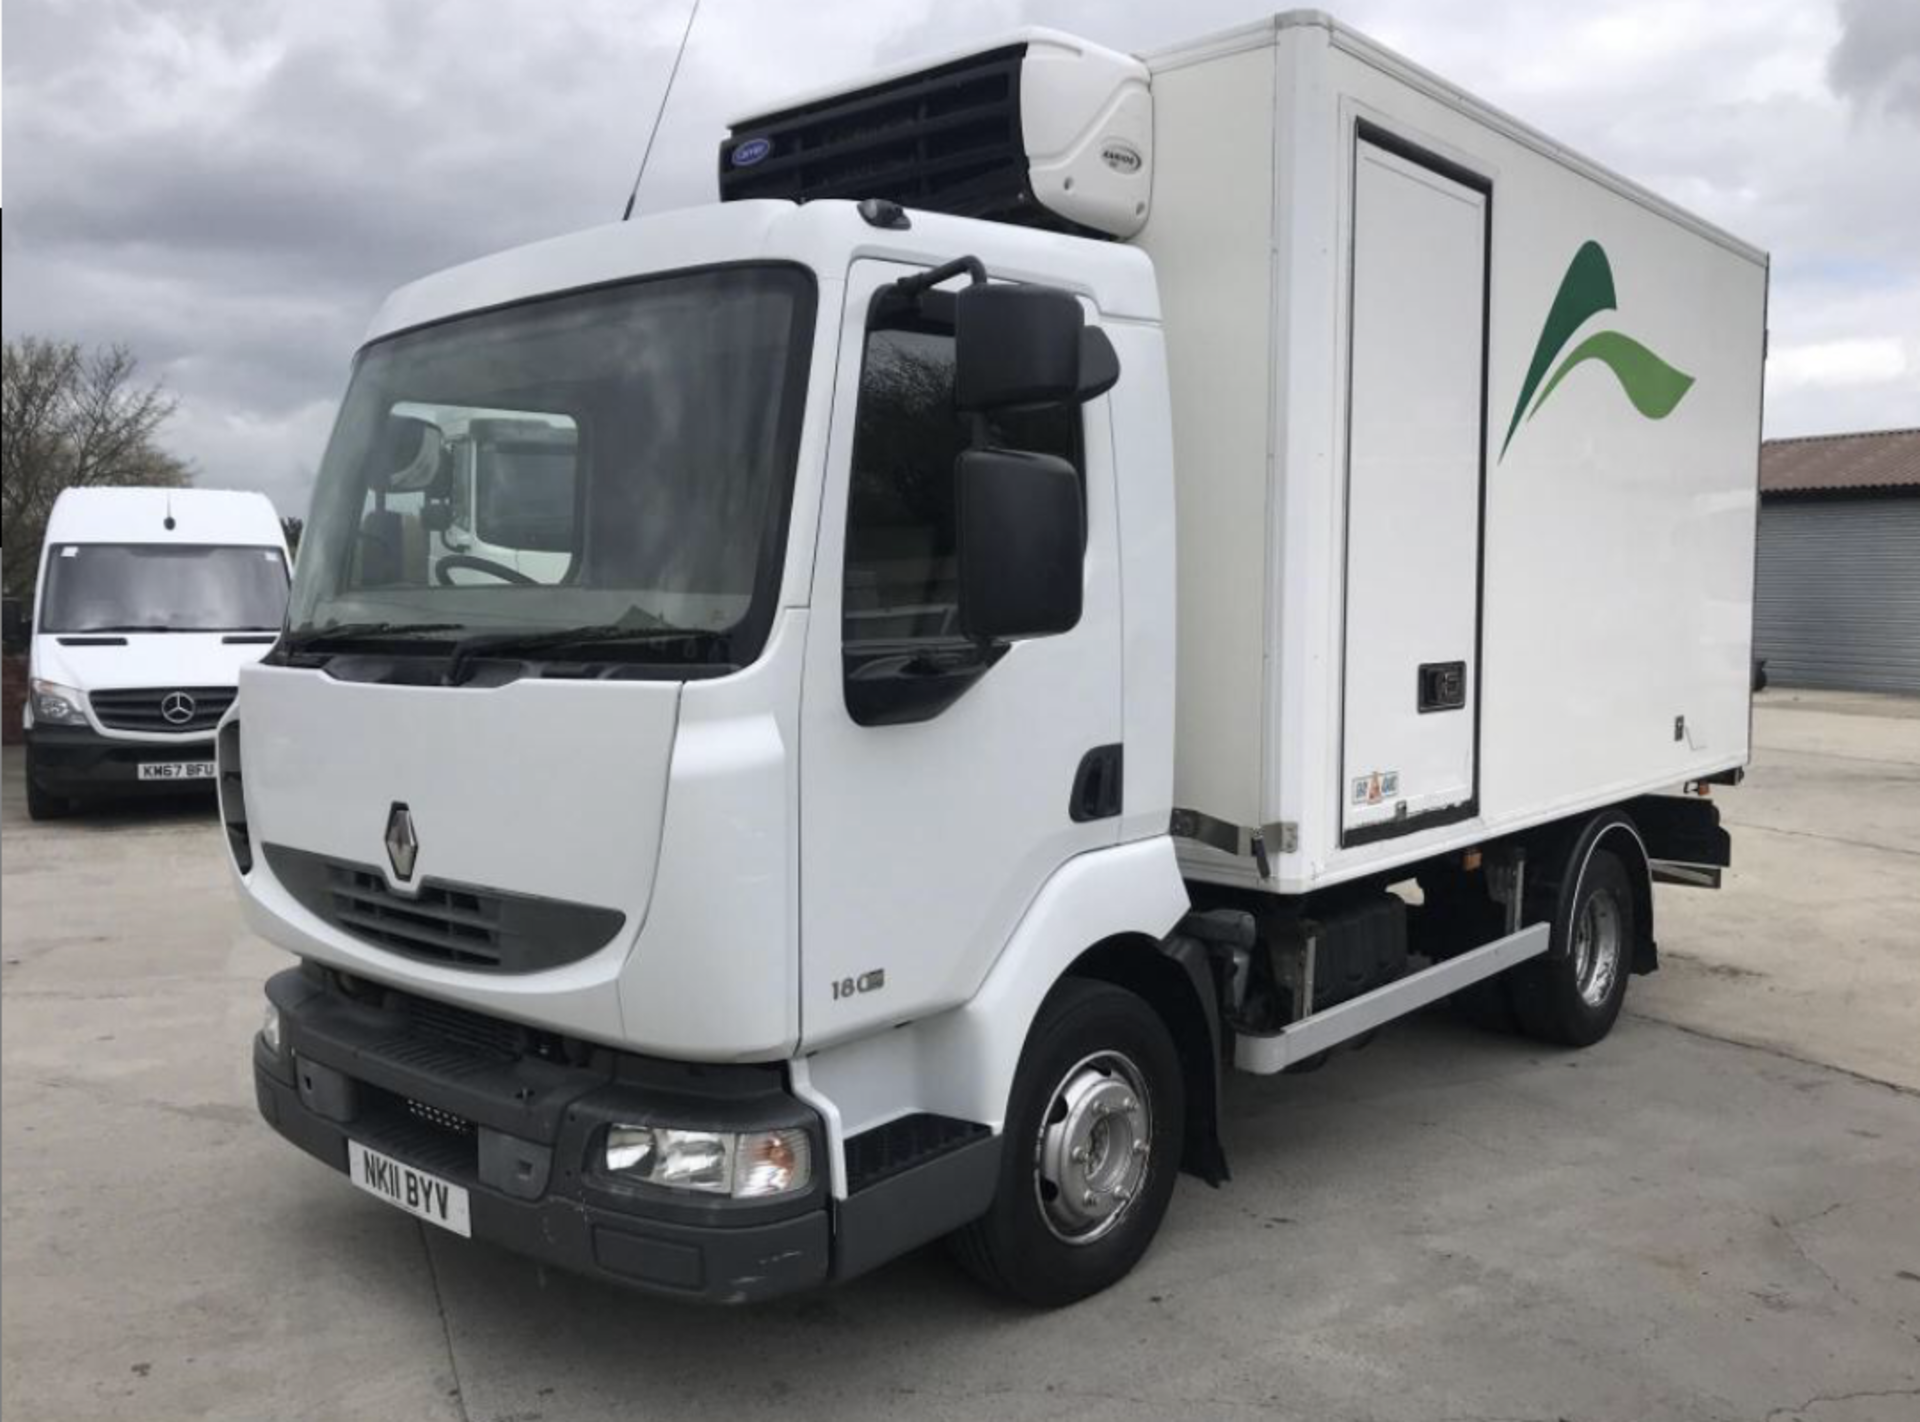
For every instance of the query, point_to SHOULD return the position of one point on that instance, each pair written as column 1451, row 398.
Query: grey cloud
column 1877, row 60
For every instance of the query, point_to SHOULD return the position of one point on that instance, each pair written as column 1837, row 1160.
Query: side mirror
column 407, row 458
column 1015, row 345
column 14, row 629
column 1021, row 544
column 1026, row 346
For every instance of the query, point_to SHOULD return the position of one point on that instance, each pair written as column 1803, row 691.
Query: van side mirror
column 14, row 630
column 1026, row 346
column 1021, row 544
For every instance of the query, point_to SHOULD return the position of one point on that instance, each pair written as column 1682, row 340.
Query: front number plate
column 176, row 770
column 434, row 1200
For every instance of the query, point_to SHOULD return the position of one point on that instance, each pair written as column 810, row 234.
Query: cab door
column 936, row 798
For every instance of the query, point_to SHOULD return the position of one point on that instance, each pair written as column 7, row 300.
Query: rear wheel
column 1091, row 1153
column 1573, row 995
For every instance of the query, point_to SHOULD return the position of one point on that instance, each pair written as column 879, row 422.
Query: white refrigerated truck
column 1081, row 573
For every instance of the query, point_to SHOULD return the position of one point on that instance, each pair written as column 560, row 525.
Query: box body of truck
column 937, row 684
column 1466, row 432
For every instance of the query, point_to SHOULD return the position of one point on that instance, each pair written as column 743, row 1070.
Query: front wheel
column 1091, row 1150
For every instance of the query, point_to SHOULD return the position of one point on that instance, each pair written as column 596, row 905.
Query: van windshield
column 616, row 463
column 146, row 587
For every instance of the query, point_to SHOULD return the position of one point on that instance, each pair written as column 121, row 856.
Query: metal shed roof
column 1881, row 460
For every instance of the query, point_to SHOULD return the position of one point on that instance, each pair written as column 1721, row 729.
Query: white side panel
column 1618, row 544
column 1144, row 482
column 1413, row 489
column 961, row 1063
column 1208, row 236
column 1617, row 593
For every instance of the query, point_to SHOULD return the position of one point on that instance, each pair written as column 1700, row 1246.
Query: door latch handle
column 1443, row 686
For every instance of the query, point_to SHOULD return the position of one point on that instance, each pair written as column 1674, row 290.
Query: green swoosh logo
column 1653, row 386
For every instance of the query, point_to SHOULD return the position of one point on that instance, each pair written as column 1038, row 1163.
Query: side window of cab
column 901, row 580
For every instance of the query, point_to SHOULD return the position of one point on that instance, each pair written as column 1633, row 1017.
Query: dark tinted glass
column 111, row 587
column 902, row 581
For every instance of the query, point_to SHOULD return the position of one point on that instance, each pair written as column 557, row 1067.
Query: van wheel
column 1091, row 1151
column 1573, row 995
column 44, row 804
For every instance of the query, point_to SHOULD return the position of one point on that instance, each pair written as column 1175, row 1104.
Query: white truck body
column 1331, row 309
column 1330, row 630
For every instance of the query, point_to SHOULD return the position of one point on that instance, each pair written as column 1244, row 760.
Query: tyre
column 43, row 804
column 1092, row 1149
column 1572, row 996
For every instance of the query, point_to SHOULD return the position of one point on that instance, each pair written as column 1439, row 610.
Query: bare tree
column 72, row 418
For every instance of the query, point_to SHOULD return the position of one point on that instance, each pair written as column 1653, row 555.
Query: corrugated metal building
column 1837, row 603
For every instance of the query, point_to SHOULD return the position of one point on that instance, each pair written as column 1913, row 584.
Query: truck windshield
column 145, row 587
column 615, row 460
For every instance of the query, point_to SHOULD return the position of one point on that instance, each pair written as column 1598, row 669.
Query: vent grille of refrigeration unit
column 946, row 139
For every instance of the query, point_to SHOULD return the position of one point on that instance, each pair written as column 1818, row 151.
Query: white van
column 149, row 603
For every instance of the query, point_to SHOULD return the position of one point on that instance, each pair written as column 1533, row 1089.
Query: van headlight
column 746, row 1165
column 58, row 705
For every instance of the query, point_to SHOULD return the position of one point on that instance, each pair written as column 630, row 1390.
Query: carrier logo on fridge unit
column 1120, row 156
column 1653, row 386
column 176, row 708
column 403, row 845
column 751, row 152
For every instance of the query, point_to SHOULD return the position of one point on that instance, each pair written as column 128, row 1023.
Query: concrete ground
column 1448, row 1225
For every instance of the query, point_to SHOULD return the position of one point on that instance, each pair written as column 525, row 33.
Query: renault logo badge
column 177, row 708
column 403, row 846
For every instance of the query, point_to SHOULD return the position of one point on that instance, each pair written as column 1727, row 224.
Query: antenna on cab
column 633, row 194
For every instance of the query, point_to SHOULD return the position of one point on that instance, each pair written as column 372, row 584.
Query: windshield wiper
column 513, row 644
column 307, row 638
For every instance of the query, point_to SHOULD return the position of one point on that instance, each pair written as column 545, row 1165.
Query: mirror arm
column 925, row 281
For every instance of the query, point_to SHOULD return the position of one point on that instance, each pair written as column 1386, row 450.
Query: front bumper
column 518, row 1119
column 78, row 760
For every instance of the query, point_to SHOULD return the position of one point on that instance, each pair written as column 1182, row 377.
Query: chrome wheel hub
column 1095, row 1142
column 1599, row 942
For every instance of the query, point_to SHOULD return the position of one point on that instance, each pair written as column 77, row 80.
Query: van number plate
column 434, row 1200
column 176, row 770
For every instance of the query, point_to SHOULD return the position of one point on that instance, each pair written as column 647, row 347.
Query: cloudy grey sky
column 230, row 186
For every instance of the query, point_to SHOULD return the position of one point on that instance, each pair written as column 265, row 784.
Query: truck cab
column 150, row 602
column 572, row 800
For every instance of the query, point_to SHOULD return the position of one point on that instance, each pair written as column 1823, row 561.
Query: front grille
column 450, row 925
column 946, row 139
column 487, row 930
column 170, row 710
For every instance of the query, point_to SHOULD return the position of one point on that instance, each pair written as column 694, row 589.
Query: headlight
column 752, row 1165
column 270, row 1029
column 58, row 705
